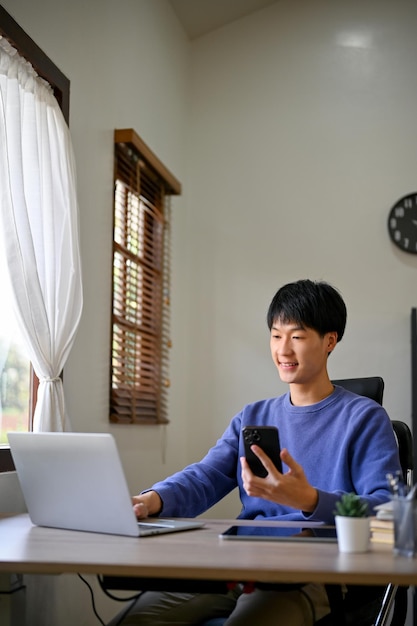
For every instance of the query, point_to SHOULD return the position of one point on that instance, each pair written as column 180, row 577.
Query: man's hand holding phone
column 290, row 489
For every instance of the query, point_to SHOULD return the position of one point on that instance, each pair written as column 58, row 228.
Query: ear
column 331, row 341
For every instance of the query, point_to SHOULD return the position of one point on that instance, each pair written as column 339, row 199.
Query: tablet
column 323, row 533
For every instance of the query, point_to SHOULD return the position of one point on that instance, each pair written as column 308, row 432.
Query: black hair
column 309, row 304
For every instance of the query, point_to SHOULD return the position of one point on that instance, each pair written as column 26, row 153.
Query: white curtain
column 39, row 228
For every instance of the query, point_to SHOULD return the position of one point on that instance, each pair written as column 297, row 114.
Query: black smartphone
column 267, row 438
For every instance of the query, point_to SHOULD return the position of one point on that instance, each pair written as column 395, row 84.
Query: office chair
column 367, row 605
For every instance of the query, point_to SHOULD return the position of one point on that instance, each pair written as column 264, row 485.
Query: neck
column 304, row 395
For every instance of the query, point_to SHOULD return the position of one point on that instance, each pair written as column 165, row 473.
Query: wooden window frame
column 140, row 283
column 28, row 49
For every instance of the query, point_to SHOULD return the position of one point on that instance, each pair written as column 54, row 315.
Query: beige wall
column 293, row 132
column 302, row 136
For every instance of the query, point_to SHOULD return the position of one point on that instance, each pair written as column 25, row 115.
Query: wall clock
column 402, row 223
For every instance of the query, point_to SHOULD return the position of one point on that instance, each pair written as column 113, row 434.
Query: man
column 333, row 442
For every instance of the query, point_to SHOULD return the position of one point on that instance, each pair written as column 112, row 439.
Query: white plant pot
column 353, row 533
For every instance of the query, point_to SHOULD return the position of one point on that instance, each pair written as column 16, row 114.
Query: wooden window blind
column 140, row 339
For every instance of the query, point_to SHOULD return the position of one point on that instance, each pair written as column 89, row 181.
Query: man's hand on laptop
column 146, row 504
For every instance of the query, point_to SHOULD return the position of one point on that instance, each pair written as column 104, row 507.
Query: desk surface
column 197, row 554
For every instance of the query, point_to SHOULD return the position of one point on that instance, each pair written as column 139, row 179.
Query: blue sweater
column 344, row 443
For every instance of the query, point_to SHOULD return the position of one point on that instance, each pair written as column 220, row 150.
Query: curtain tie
column 50, row 380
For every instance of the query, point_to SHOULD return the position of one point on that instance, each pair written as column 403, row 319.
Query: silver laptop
column 76, row 481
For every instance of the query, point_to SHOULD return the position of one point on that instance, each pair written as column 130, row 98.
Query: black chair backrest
column 405, row 448
column 370, row 387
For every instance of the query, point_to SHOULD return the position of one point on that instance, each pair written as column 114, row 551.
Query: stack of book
column 382, row 530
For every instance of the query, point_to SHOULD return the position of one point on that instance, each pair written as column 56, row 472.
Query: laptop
column 76, row 481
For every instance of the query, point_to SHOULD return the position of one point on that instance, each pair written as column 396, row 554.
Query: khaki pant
column 301, row 607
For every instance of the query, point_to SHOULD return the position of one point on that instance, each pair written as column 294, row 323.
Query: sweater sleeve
column 199, row 486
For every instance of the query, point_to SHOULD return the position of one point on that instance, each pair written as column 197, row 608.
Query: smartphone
column 267, row 438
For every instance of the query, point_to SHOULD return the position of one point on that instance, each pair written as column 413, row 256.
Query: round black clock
column 402, row 223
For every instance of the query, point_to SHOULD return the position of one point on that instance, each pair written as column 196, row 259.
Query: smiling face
column 300, row 353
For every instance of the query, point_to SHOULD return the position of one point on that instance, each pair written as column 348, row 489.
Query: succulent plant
column 351, row 505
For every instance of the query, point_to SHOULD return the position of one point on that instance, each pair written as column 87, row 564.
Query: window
column 141, row 283
column 18, row 382
column 15, row 372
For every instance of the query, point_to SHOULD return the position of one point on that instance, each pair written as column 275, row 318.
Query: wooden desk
column 197, row 554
